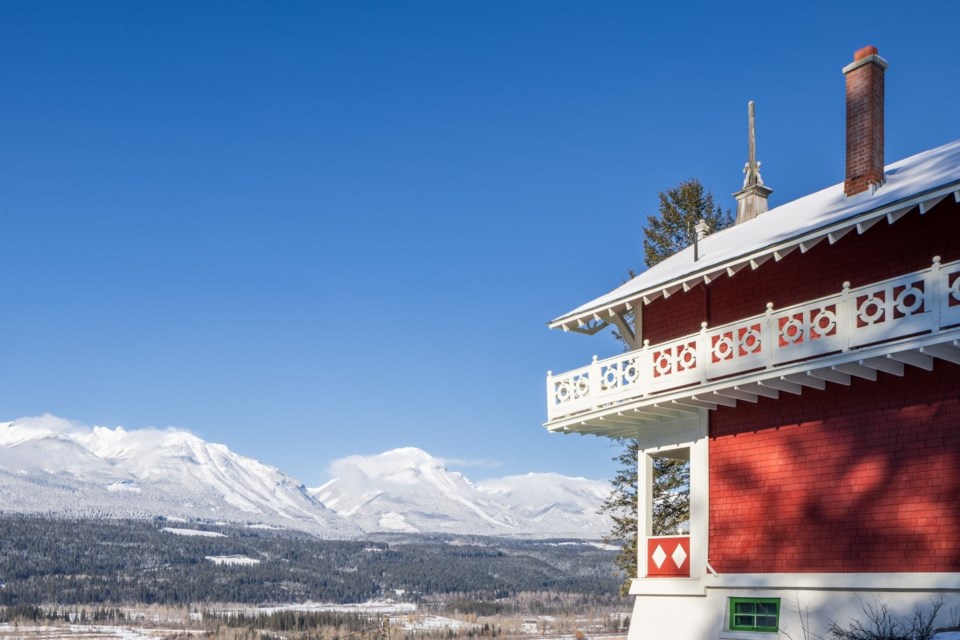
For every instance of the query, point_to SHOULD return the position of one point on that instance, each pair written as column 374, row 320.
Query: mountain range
column 52, row 466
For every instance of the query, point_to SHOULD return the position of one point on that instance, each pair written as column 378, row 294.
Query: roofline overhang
column 805, row 241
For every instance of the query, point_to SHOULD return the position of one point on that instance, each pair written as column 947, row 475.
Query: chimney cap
column 868, row 50
column 865, row 56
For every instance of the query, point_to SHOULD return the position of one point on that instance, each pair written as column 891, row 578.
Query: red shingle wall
column 884, row 251
column 864, row 478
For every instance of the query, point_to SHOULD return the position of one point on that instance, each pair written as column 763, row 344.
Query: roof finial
column 752, row 199
column 752, row 168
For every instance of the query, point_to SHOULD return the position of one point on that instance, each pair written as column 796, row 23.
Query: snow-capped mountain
column 408, row 490
column 552, row 502
column 49, row 465
column 52, row 466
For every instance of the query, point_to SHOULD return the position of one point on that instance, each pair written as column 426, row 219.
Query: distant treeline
column 103, row 562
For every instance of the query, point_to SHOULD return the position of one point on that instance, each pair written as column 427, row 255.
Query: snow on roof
column 923, row 179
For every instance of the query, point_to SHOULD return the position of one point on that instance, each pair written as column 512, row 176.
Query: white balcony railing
column 920, row 302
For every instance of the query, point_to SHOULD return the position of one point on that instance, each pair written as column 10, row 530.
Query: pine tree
column 681, row 208
column 621, row 505
column 672, row 230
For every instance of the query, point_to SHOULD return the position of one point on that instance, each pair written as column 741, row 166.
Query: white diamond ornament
column 679, row 555
column 658, row 556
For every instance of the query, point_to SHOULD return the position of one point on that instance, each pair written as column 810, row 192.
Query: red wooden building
column 807, row 364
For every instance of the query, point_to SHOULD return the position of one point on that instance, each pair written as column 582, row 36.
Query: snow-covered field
column 193, row 532
column 432, row 623
column 374, row 607
column 240, row 560
column 88, row 632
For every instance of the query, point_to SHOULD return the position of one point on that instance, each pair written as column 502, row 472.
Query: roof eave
column 804, row 241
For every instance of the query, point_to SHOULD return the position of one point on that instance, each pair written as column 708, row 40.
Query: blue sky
column 315, row 229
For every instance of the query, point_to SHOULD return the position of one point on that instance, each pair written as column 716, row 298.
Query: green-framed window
column 754, row 614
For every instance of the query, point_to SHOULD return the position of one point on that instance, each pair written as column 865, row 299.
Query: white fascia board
column 806, row 238
column 891, row 582
column 919, row 581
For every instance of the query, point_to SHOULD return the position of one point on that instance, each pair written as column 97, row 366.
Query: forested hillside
column 46, row 560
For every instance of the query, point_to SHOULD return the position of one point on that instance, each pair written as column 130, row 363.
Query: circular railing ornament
column 723, row 348
column 750, row 340
column 581, row 387
column 791, row 331
column 824, row 322
column 866, row 314
column 663, row 363
column 915, row 296
column 688, row 358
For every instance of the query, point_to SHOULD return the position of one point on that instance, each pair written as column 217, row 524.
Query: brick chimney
column 864, row 121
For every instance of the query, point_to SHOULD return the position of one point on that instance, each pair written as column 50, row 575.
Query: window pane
column 767, row 607
column 766, row 621
column 743, row 621
column 745, row 607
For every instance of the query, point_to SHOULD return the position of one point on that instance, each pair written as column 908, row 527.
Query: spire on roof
column 752, row 199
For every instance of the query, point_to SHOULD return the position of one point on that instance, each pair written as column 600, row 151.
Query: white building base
column 697, row 609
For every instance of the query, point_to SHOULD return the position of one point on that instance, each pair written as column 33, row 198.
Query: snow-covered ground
column 88, row 632
column 373, row 607
column 193, row 532
column 240, row 560
column 431, row 623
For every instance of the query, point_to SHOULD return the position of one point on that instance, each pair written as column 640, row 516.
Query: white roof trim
column 921, row 180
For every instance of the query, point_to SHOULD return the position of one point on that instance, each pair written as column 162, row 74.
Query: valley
column 133, row 579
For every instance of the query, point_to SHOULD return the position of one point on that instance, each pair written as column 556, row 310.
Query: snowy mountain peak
column 40, row 428
column 52, row 465
column 409, row 490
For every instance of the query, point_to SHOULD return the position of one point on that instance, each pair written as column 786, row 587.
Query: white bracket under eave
column 833, row 236
column 669, row 291
column 780, row 254
column 625, row 331
column 733, row 269
column 806, row 245
column 866, row 224
column 926, row 205
column 893, row 216
column 710, row 277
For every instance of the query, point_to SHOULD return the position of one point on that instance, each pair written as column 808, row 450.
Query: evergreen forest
column 103, row 562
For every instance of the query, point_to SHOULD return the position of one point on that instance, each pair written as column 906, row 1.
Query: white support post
column 700, row 499
column 703, row 352
column 768, row 336
column 644, row 509
column 595, row 383
column 934, row 292
column 638, row 322
column 646, row 368
column 550, row 396
column 847, row 315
